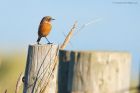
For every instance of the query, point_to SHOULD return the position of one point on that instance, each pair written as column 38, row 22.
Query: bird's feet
column 49, row 43
column 38, row 43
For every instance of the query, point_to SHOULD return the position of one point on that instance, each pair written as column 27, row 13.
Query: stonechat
column 44, row 28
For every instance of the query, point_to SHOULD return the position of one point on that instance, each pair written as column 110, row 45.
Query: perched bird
column 44, row 28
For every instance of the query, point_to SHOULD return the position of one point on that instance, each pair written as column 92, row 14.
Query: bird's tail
column 38, row 40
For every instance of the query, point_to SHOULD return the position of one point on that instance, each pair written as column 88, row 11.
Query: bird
column 44, row 29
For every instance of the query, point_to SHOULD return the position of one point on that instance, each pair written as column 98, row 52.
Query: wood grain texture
column 39, row 77
column 94, row 72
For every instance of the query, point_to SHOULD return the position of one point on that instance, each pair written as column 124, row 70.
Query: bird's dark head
column 47, row 18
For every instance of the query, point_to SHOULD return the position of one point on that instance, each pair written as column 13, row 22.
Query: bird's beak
column 53, row 19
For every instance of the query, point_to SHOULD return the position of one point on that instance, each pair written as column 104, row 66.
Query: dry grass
column 19, row 83
column 67, row 39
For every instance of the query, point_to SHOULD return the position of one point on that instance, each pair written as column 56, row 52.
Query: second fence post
column 94, row 72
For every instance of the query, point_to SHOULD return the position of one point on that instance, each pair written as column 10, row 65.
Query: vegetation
column 10, row 68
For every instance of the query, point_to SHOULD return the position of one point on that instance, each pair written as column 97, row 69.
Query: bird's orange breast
column 44, row 29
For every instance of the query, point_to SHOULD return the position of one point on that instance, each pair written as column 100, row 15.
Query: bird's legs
column 38, row 40
column 48, row 40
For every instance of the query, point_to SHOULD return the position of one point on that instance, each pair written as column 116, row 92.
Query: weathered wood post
column 40, row 75
column 93, row 72
column 41, row 67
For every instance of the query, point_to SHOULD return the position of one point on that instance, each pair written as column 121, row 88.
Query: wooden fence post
column 40, row 77
column 93, row 72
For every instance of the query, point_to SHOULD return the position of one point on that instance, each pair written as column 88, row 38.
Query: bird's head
column 47, row 18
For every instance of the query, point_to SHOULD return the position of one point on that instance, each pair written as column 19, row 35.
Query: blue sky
column 118, row 30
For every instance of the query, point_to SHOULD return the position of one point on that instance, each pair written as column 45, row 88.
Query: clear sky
column 118, row 29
